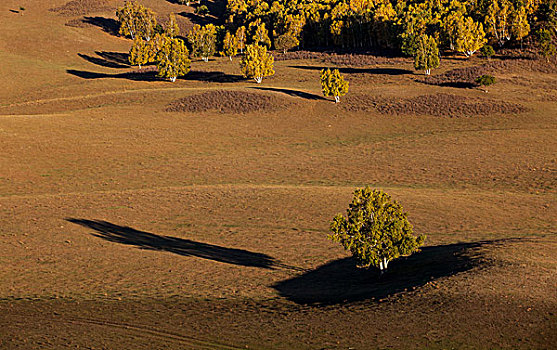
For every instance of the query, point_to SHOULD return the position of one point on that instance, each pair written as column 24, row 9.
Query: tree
column 487, row 51
column 136, row 20
column 521, row 27
column 470, row 37
column 261, row 35
column 257, row 63
column 485, row 80
column 172, row 30
column 286, row 41
column 173, row 59
column 498, row 20
column 139, row 52
column 376, row 229
column 333, row 84
column 545, row 44
column 427, row 54
column 241, row 38
column 230, row 45
column 203, row 41
column 202, row 10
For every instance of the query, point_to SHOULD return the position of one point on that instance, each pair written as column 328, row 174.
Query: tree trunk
column 258, row 80
column 172, row 79
column 337, row 99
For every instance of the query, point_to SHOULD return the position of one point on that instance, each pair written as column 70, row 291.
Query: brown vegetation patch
column 436, row 105
column 81, row 7
column 228, row 102
column 337, row 59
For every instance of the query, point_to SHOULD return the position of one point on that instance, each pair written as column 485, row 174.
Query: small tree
column 172, row 29
column 173, row 59
column 202, row 10
column 545, row 44
column 286, row 41
column 139, row 52
column 485, row 80
column 333, row 84
column 203, row 41
column 376, row 229
column 241, row 38
column 257, row 63
column 136, row 20
column 427, row 54
column 487, row 51
column 260, row 34
column 229, row 45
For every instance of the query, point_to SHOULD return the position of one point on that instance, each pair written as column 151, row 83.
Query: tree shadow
column 103, row 61
column 341, row 281
column 295, row 93
column 141, row 75
column 117, row 57
column 184, row 247
column 453, row 84
column 213, row 77
column 196, row 19
column 109, row 25
column 350, row 70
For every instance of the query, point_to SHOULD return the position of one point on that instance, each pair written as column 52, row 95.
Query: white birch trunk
column 172, row 79
column 258, row 80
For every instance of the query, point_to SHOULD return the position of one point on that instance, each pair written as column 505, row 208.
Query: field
column 136, row 213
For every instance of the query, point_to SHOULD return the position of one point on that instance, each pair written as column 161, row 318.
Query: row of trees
column 459, row 25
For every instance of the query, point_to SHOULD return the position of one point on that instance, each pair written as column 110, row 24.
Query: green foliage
column 136, row 21
column 487, row 51
column 173, row 59
column 427, row 54
column 545, row 44
column 202, row 10
column 257, row 63
column 333, row 84
column 376, row 229
column 203, row 41
column 286, row 41
column 485, row 80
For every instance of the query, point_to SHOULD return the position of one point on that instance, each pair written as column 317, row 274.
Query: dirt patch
column 81, row 7
column 436, row 105
column 228, row 102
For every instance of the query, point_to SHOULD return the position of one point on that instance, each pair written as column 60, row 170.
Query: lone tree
column 485, row 80
column 257, row 63
column 427, row 54
column 333, row 84
column 173, row 59
column 376, row 230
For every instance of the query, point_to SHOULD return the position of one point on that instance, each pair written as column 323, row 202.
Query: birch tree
column 173, row 59
column 376, row 230
column 257, row 63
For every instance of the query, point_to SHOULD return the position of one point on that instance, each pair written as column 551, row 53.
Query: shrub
column 202, row 10
column 485, row 80
column 376, row 230
column 487, row 51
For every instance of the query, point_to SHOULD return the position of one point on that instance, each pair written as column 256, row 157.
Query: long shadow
column 149, row 74
column 213, row 77
column 196, row 19
column 108, row 25
column 102, row 61
column 350, row 70
column 116, row 57
column 146, row 75
column 185, row 247
column 341, row 281
column 295, row 93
